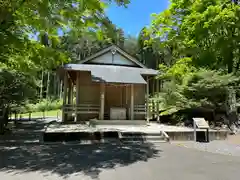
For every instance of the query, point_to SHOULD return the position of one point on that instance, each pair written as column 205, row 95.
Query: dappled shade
column 67, row 159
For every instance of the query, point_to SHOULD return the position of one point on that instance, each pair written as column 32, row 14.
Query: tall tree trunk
column 55, row 85
column 41, row 88
column 48, row 85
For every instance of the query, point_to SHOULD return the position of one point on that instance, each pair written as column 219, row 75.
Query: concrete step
column 133, row 136
column 94, row 122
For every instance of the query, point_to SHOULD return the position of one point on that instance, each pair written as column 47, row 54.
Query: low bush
column 41, row 106
column 48, row 105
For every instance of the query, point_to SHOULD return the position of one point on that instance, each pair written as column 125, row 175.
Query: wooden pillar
column 153, row 102
column 102, row 101
column 127, row 102
column 77, row 116
column 64, row 118
column 147, row 100
column 126, row 95
column 132, row 102
column 158, row 116
column 69, row 99
column 70, row 92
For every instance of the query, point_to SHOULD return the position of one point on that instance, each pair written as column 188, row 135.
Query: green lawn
column 40, row 114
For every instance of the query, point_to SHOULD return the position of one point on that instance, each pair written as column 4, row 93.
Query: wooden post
column 153, row 109
column 70, row 98
column 60, row 89
column 158, row 116
column 77, row 95
column 126, row 94
column 102, row 100
column 70, row 93
column 132, row 102
column 147, row 99
column 153, row 102
column 64, row 96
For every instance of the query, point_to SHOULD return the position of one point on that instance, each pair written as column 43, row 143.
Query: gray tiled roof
column 113, row 74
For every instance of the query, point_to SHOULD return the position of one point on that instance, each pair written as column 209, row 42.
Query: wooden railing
column 81, row 108
column 140, row 109
column 154, row 109
column 94, row 109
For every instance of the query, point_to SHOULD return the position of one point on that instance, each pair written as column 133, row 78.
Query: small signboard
column 201, row 123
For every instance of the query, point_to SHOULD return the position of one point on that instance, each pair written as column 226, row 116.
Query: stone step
column 94, row 122
column 148, row 141
column 144, row 138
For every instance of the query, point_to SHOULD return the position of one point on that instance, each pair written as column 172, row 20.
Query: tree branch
column 8, row 21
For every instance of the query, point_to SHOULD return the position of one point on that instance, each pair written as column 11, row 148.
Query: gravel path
column 231, row 146
column 234, row 139
column 217, row 160
column 220, row 147
column 121, row 162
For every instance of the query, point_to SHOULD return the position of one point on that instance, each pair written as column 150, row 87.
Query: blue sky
column 133, row 18
column 137, row 15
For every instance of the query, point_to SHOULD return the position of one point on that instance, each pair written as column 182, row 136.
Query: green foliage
column 15, row 87
column 30, row 42
column 205, row 30
column 29, row 108
column 41, row 106
column 131, row 46
column 47, row 105
column 188, row 87
column 91, row 41
column 20, row 20
column 177, row 71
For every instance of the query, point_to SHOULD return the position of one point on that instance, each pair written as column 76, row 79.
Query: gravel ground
column 217, row 160
column 234, row 139
column 220, row 147
column 231, row 146
column 121, row 162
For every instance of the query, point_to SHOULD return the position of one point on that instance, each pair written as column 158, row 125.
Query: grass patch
column 53, row 113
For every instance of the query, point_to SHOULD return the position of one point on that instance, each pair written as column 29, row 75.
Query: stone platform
column 103, row 133
column 100, row 134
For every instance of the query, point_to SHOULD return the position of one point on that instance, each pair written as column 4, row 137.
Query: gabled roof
column 113, row 74
column 119, row 50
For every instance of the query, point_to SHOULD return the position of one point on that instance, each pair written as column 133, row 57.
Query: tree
column 131, row 46
column 188, row 87
column 29, row 33
column 21, row 19
column 205, row 31
column 15, row 89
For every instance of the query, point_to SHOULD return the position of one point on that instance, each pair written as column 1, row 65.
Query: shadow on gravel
column 67, row 159
column 25, row 130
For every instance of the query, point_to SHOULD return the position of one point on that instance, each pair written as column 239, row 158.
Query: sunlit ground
column 53, row 113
